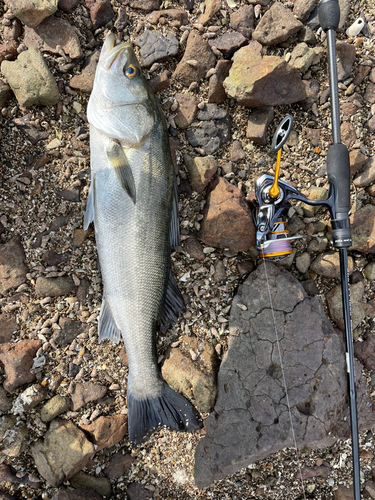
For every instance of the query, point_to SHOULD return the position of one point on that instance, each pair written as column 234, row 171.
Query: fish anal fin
column 119, row 162
column 107, row 328
column 174, row 304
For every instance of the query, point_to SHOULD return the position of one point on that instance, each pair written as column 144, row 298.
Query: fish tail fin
column 169, row 409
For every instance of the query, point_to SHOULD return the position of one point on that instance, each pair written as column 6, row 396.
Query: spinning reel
column 272, row 196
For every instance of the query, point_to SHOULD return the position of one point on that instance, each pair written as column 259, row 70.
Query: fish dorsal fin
column 90, row 206
column 174, row 235
column 107, row 328
column 174, row 304
column 119, row 162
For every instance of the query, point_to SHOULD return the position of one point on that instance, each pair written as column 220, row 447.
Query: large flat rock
column 251, row 420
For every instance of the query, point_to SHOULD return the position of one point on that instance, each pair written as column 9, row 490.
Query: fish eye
column 131, row 71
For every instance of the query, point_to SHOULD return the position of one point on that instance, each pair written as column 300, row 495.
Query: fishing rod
column 273, row 196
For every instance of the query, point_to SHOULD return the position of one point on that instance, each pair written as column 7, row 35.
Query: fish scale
column 132, row 202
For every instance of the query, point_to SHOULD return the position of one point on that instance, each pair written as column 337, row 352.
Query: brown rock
column 216, row 92
column 370, row 93
column 242, row 20
column 362, row 72
column 228, row 43
column 118, row 465
column 86, row 392
column 316, row 471
column 69, row 329
column 18, row 360
column 343, row 493
column 62, row 453
column 303, row 8
column 174, row 14
column 101, row 485
column 147, row 5
column 334, row 302
column 52, row 33
column 187, row 110
column 54, row 287
column 85, row 80
column 8, row 52
column 54, row 259
column 367, row 177
column 160, row 82
column 32, row 13
column 211, row 8
column 68, row 5
column 136, row 491
column 363, row 230
column 5, row 402
column 187, row 376
column 345, row 59
column 197, row 49
column 237, row 152
column 348, row 135
column 313, row 135
column 357, row 160
column 258, row 123
column 76, row 494
column 101, row 12
column 8, row 325
column 107, row 431
column 81, row 235
column 365, row 351
column 312, row 88
column 328, row 265
column 276, row 26
column 201, row 170
column 258, row 81
column 194, row 248
column 12, row 267
column 227, row 221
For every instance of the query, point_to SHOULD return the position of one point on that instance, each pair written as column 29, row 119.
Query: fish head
column 122, row 105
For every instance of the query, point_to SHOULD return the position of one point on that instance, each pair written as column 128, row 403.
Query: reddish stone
column 227, row 221
column 107, row 431
column 18, row 360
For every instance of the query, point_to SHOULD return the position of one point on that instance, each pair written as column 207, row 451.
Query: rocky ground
column 63, row 423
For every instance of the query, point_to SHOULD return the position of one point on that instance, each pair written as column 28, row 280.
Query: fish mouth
column 109, row 56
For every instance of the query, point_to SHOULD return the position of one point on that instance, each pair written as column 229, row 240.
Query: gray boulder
column 251, row 418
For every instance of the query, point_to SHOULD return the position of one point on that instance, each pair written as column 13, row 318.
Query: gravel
column 43, row 192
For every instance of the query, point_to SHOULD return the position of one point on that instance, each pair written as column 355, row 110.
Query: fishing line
column 284, row 382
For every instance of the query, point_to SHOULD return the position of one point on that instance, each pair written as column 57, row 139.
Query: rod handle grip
column 338, row 172
column 329, row 14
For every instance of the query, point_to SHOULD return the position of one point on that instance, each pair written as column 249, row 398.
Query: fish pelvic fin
column 90, row 206
column 174, row 304
column 107, row 328
column 119, row 162
column 169, row 409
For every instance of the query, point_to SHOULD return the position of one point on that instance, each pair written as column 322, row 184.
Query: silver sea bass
column 133, row 204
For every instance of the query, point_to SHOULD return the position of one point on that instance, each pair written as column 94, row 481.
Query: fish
column 133, row 204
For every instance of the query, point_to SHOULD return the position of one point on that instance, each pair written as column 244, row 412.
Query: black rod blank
column 338, row 170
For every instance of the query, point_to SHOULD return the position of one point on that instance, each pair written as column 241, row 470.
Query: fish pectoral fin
column 174, row 235
column 119, row 162
column 107, row 328
column 90, row 206
column 174, row 304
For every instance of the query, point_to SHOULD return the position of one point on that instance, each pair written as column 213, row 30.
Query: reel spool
column 277, row 246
